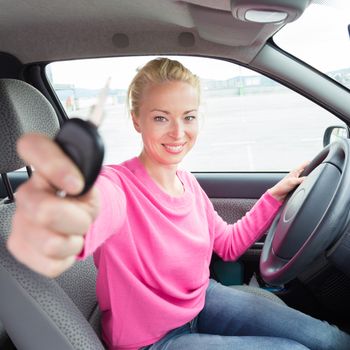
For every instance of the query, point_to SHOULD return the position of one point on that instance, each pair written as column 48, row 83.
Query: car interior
column 41, row 313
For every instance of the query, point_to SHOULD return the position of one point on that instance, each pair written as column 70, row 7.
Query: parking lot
column 247, row 143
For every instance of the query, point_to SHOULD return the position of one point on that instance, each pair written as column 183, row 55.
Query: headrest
column 23, row 109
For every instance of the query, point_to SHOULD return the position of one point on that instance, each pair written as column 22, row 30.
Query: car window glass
column 327, row 26
column 247, row 121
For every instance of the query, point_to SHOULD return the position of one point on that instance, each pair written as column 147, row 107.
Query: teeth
column 174, row 148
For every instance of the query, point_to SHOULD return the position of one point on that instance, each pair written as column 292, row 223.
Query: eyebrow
column 166, row 112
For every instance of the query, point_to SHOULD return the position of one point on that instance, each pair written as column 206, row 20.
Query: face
column 168, row 122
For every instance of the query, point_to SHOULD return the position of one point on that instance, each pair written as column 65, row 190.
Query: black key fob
column 80, row 140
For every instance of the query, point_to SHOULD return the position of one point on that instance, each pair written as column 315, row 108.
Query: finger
column 43, row 242
column 54, row 245
column 64, row 215
column 302, row 166
column 297, row 171
column 294, row 182
column 27, row 254
column 48, row 159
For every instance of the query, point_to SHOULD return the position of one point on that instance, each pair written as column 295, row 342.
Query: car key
column 80, row 140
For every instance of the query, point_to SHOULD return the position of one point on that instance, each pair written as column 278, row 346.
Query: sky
column 323, row 37
column 320, row 37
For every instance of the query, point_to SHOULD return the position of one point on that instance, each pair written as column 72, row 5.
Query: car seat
column 38, row 312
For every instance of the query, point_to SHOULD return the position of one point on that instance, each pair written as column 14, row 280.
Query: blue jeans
column 233, row 319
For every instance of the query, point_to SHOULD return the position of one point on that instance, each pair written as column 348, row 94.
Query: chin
column 172, row 160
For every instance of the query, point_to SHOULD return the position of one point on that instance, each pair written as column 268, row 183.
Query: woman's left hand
column 288, row 183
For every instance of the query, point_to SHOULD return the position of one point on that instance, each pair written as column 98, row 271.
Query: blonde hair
column 158, row 71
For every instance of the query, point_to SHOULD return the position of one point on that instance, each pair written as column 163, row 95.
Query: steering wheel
column 312, row 218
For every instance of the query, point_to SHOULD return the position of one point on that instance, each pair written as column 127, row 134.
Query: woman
column 153, row 234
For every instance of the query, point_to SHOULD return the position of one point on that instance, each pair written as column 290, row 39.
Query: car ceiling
column 41, row 30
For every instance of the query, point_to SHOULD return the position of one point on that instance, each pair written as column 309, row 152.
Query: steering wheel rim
column 312, row 218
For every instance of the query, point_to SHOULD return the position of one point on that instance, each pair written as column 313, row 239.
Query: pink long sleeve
column 153, row 252
column 112, row 205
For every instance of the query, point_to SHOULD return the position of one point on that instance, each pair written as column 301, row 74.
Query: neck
column 164, row 175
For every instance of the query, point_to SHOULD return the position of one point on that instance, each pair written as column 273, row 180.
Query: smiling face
column 168, row 122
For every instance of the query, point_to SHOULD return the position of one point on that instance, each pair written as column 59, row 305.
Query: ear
column 135, row 121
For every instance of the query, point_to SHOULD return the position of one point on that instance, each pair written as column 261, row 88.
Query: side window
column 247, row 121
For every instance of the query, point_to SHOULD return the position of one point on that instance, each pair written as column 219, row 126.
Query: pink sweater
column 153, row 251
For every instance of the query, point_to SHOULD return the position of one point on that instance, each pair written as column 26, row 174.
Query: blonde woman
column 152, row 230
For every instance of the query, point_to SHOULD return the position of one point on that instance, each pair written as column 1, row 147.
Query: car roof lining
column 60, row 30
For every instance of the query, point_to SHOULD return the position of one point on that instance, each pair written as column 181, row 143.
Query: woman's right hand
column 47, row 229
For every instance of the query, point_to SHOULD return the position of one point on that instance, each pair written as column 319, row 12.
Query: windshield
column 320, row 37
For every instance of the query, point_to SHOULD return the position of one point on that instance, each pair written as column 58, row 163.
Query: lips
column 174, row 148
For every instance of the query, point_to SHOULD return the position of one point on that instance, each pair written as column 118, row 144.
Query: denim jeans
column 234, row 319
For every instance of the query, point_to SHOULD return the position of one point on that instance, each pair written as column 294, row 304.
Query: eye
column 159, row 118
column 190, row 118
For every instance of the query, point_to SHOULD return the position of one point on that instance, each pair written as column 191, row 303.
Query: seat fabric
column 37, row 312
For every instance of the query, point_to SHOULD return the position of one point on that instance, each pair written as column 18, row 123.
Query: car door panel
column 233, row 195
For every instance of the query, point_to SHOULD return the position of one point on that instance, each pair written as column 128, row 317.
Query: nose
column 177, row 130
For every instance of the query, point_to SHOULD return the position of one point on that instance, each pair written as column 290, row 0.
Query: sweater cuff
column 275, row 203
